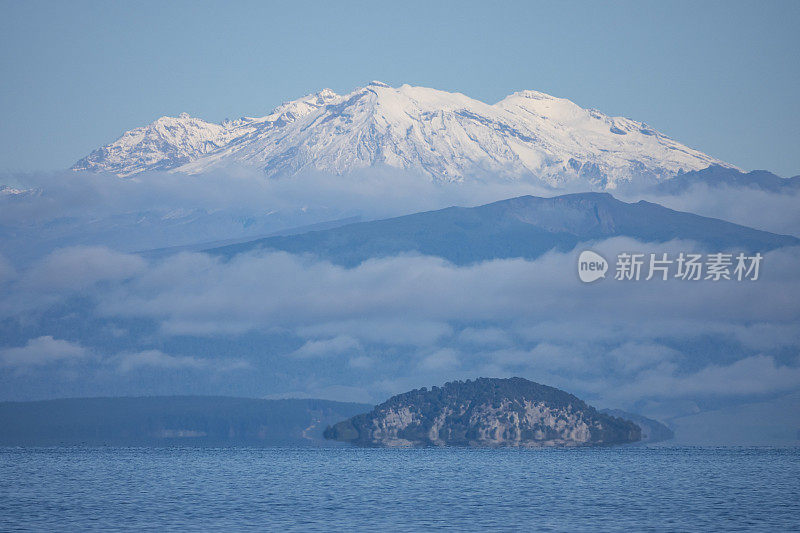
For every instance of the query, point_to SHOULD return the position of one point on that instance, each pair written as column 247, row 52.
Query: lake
column 321, row 489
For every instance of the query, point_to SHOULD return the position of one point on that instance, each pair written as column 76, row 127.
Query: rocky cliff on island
column 485, row 412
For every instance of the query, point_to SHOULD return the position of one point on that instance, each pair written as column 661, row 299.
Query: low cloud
column 44, row 350
column 444, row 359
column 775, row 212
column 328, row 347
column 485, row 337
column 47, row 351
column 78, row 268
column 373, row 301
column 403, row 322
column 65, row 272
column 7, row 271
column 387, row 330
column 157, row 210
column 753, row 375
column 632, row 357
column 388, row 325
column 157, row 359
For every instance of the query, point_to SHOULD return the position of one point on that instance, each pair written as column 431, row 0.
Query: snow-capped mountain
column 447, row 136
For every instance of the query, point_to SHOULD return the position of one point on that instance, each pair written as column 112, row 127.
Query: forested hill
column 485, row 412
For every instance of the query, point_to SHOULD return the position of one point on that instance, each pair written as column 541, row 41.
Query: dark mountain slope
column 169, row 420
column 717, row 176
column 525, row 227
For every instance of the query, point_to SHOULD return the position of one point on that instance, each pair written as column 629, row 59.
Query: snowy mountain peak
column 326, row 95
column 166, row 143
column 445, row 136
column 292, row 110
column 541, row 104
column 532, row 95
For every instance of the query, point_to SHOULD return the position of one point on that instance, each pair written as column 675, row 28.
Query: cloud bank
column 303, row 326
column 159, row 210
column 80, row 313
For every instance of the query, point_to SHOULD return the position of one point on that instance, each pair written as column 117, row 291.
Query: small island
column 486, row 412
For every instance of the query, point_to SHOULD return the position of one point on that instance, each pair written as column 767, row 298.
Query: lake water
column 323, row 489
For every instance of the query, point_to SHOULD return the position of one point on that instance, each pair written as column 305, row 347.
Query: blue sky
column 721, row 77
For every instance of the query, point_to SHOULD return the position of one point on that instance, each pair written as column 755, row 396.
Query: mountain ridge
column 444, row 136
column 716, row 176
column 169, row 421
column 525, row 226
